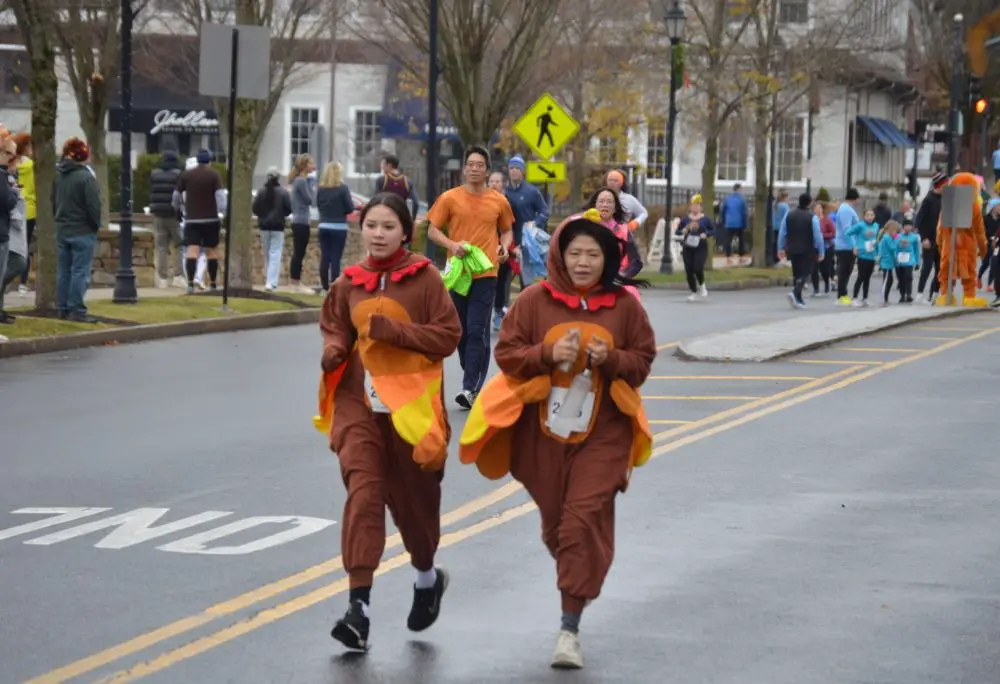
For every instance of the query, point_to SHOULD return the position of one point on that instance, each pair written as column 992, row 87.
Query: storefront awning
column 886, row 132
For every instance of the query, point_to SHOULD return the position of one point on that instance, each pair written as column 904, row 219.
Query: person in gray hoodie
column 303, row 197
column 13, row 244
column 76, row 202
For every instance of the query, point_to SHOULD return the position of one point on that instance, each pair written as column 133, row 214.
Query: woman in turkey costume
column 388, row 324
column 564, row 416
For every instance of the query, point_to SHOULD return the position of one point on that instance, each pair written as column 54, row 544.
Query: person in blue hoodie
column 843, row 246
column 735, row 218
column 907, row 260
column 888, row 245
column 864, row 238
column 527, row 204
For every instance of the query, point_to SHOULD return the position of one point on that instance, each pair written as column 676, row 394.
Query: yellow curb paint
column 896, row 350
column 839, row 363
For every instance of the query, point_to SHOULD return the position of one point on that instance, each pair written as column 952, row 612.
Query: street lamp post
column 956, row 97
column 674, row 19
column 432, row 141
column 125, row 291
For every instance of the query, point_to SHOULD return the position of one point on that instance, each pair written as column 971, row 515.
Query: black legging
column 929, row 259
column 27, row 263
column 865, row 269
column 845, row 266
column 985, row 264
column 823, row 269
column 694, row 264
column 738, row 233
column 300, row 241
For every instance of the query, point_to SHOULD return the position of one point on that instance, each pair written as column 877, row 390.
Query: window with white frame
column 610, row 151
column 793, row 11
column 789, row 148
column 302, row 120
column 367, row 141
column 734, row 151
column 656, row 150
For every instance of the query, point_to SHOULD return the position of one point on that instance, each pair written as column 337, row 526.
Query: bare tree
column 486, row 49
column 36, row 23
column 299, row 33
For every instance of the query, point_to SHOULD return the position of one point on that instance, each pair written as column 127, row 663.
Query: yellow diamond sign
column 546, row 127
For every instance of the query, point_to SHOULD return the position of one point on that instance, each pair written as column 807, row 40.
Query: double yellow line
column 679, row 437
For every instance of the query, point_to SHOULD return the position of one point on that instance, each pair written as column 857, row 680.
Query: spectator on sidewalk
column 11, row 224
column 333, row 199
column 399, row 184
column 734, row 218
column 166, row 221
column 800, row 238
column 26, row 180
column 201, row 193
column 303, row 197
column 272, row 206
column 77, row 205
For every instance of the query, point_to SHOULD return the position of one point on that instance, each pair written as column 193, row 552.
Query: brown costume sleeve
column 632, row 361
column 335, row 324
column 436, row 339
column 517, row 354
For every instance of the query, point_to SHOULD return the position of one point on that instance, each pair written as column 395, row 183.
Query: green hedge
column 140, row 180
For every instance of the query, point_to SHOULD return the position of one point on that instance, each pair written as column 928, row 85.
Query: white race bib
column 373, row 401
column 904, row 258
column 578, row 423
column 692, row 240
column 996, row 251
column 869, row 246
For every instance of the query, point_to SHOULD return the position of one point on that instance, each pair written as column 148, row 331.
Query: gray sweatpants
column 168, row 234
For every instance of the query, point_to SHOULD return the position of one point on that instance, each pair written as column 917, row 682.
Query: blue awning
column 886, row 132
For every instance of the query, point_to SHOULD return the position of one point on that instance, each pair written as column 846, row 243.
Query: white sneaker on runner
column 693, row 297
column 567, row 655
column 179, row 281
column 703, row 291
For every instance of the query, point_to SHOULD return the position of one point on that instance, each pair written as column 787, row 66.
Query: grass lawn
column 722, row 275
column 149, row 310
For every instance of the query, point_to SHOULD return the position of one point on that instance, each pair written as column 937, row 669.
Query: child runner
column 864, row 236
column 564, row 415
column 695, row 228
column 887, row 248
column 388, row 324
column 907, row 260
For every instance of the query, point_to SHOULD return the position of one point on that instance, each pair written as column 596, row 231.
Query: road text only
column 139, row 526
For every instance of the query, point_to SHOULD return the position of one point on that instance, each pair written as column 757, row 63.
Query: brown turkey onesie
column 565, row 417
column 388, row 324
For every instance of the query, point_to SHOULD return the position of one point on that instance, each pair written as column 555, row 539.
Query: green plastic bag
column 459, row 271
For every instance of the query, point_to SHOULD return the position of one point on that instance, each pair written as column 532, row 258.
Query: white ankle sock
column 426, row 578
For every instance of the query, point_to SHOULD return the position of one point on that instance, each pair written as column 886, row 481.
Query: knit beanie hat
column 516, row 162
column 204, row 156
column 939, row 179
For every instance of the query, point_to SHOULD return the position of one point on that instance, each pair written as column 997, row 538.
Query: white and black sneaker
column 352, row 629
column 427, row 603
column 465, row 399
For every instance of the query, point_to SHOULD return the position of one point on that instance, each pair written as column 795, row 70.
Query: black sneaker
column 427, row 603
column 465, row 399
column 6, row 318
column 352, row 629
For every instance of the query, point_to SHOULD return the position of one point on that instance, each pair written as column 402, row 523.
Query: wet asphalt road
column 791, row 529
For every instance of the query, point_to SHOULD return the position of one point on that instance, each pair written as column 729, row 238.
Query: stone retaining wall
column 144, row 251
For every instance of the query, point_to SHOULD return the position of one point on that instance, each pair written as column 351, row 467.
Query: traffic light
column 981, row 105
column 911, row 184
column 974, row 93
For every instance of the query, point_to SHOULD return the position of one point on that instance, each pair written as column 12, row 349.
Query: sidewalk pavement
column 770, row 341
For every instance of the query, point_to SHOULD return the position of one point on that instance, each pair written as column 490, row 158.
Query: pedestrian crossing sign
column 546, row 127
column 546, row 172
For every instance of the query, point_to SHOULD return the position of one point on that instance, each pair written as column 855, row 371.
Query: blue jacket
column 818, row 242
column 735, row 214
column 527, row 204
column 780, row 214
column 996, row 158
column 844, row 220
column 864, row 237
column 887, row 247
column 908, row 243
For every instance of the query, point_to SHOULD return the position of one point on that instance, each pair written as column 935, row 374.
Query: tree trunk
column 579, row 144
column 99, row 162
column 760, row 148
column 44, row 88
column 245, row 161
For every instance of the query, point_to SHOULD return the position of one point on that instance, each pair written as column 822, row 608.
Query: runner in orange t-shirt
column 472, row 215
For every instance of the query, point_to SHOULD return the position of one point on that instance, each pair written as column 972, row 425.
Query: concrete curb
column 160, row 331
column 730, row 285
column 682, row 351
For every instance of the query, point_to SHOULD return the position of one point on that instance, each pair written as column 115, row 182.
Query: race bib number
column 566, row 425
column 904, row 258
column 869, row 246
column 373, row 401
column 692, row 240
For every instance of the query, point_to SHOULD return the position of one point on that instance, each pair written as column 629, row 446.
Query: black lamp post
column 125, row 291
column 674, row 19
column 432, row 141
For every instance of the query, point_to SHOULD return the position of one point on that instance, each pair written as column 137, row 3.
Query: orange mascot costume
column 969, row 243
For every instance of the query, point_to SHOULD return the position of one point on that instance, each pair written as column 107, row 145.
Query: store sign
column 167, row 121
